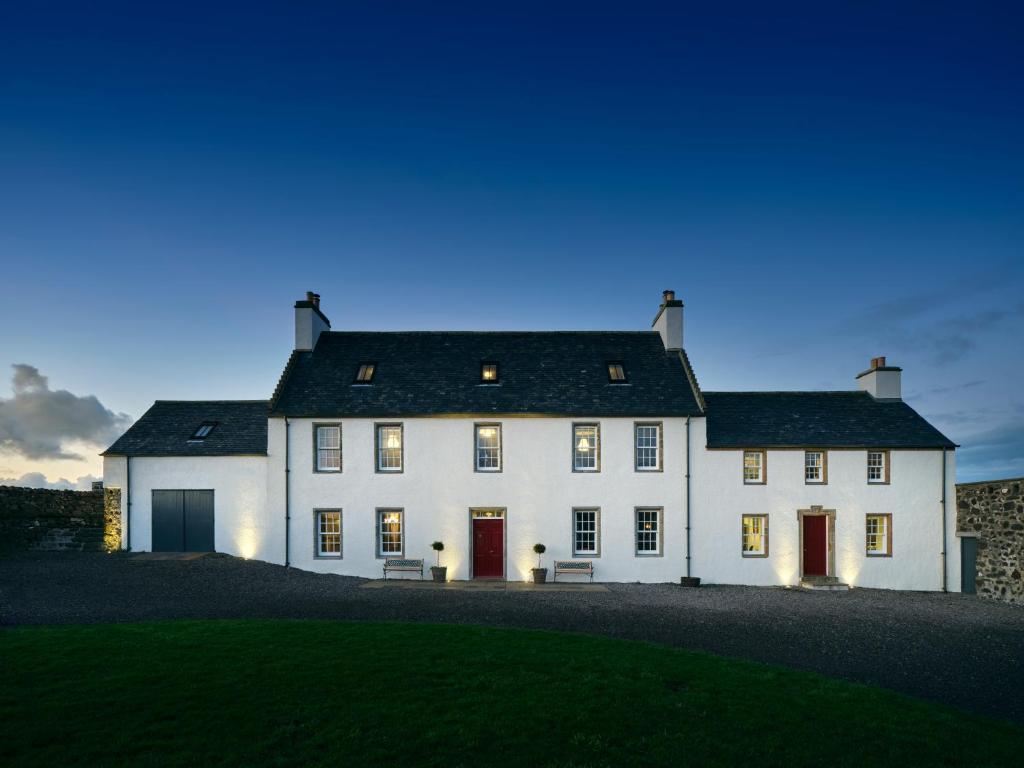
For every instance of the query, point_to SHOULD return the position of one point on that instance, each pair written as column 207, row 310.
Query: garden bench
column 396, row 564
column 574, row 566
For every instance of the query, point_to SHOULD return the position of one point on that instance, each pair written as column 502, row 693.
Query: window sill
column 585, row 556
column 754, row 556
column 327, row 557
column 755, row 482
column 877, row 554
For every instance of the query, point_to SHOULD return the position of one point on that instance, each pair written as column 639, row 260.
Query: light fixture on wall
column 583, row 445
column 393, row 441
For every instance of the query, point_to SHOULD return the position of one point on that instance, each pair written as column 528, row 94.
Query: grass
column 346, row 694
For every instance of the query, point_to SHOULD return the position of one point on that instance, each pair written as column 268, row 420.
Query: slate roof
column 425, row 373
column 815, row 419
column 165, row 429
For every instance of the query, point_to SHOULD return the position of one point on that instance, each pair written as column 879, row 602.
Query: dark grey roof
column 423, row 373
column 815, row 419
column 165, row 429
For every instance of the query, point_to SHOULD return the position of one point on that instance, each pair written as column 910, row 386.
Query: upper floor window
column 754, row 467
column 389, row 448
column 365, row 373
column 203, row 430
column 390, row 532
column 755, row 535
column 648, row 530
column 489, row 373
column 586, row 534
column 328, row 533
column 488, row 448
column 327, row 444
column 815, row 467
column 879, row 535
column 647, row 439
column 878, row 467
column 616, row 373
column 586, row 448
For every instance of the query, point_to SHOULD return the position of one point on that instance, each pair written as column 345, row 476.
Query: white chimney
column 669, row 322
column 310, row 322
column 881, row 381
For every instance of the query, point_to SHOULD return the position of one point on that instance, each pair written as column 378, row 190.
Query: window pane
column 616, row 372
column 488, row 447
column 489, row 372
column 754, row 534
column 390, row 532
column 752, row 466
column 876, row 466
column 877, row 535
column 329, row 533
column 585, row 447
column 647, row 531
column 585, row 531
column 389, row 447
column 365, row 373
column 647, row 446
column 328, row 442
column 812, row 465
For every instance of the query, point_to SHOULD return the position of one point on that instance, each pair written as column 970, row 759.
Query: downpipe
column 287, row 494
column 128, row 503
column 687, row 497
column 944, row 578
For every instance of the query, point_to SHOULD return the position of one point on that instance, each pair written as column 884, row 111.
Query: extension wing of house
column 600, row 445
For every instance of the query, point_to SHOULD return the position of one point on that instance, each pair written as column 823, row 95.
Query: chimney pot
column 668, row 295
column 316, row 303
column 309, row 296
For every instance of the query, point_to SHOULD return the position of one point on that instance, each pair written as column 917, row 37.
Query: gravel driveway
column 951, row 648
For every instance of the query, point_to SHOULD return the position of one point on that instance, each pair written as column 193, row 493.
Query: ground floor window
column 586, row 531
column 328, row 533
column 879, row 535
column 648, row 530
column 390, row 532
column 755, row 535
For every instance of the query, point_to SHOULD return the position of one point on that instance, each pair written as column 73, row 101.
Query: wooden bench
column 585, row 567
column 395, row 564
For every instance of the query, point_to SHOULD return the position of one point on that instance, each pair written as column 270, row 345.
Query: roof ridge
column 211, row 401
column 439, row 333
column 786, row 392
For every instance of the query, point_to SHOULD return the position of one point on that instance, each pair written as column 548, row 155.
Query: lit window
column 488, row 448
column 648, row 447
column 755, row 535
column 328, row 533
column 586, row 448
column 204, row 430
column 616, row 373
column 878, row 466
column 814, row 467
column 753, row 467
column 328, row 448
column 648, row 531
column 489, row 373
column 879, row 535
column 365, row 373
column 585, row 529
column 389, row 447
column 390, row 534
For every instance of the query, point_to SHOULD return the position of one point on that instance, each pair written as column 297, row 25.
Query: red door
column 815, row 545
column 488, row 548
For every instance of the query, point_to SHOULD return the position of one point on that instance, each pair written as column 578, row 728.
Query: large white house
column 600, row 445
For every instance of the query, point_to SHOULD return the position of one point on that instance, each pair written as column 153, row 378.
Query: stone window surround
column 764, row 535
column 661, row 532
column 661, row 446
column 501, row 448
column 376, row 448
column 597, row 532
column 764, row 466
column 596, row 447
column 824, row 466
column 886, row 456
column 888, row 534
column 316, row 448
column 379, row 543
column 317, row 554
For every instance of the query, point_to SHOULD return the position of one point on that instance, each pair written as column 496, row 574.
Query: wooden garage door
column 183, row 521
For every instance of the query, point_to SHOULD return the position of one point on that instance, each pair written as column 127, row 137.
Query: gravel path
column 950, row 648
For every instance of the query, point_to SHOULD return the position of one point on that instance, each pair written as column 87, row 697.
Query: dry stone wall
column 995, row 512
column 33, row 518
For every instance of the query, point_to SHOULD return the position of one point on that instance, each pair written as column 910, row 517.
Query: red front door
column 815, row 545
column 488, row 548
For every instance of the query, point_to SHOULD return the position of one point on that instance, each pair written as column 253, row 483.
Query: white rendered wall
column 537, row 488
column 241, row 523
column 913, row 498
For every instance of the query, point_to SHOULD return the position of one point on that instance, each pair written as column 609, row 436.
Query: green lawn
column 357, row 694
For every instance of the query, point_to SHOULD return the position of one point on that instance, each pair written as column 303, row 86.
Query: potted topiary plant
column 540, row 575
column 438, row 572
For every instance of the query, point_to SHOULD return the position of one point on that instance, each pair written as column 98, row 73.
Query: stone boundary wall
column 995, row 511
column 34, row 518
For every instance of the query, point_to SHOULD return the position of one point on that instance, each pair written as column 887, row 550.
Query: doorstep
column 825, row 583
column 483, row 586
column 168, row 555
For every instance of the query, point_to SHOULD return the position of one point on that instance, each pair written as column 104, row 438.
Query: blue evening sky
column 819, row 182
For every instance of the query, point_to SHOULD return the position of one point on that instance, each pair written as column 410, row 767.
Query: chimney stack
column 669, row 322
column 881, row 381
column 310, row 322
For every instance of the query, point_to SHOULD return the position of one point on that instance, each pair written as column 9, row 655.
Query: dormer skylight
column 488, row 373
column 203, row 431
column 616, row 373
column 365, row 373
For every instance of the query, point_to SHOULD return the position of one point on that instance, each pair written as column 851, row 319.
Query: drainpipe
column 128, row 502
column 287, row 497
column 687, row 496
column 944, row 585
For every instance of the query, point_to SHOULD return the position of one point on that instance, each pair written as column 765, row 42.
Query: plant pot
column 439, row 572
column 540, row 575
column 690, row 581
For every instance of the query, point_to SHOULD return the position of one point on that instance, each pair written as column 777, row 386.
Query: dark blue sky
column 820, row 182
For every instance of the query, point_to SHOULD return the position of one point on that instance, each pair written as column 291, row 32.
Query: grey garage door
column 183, row 521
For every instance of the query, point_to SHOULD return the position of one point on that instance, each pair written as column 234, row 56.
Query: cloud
column 993, row 454
column 37, row 422
column 38, row 480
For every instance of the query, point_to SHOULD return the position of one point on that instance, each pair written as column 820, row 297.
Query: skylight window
column 365, row 373
column 204, row 430
column 616, row 373
column 489, row 373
